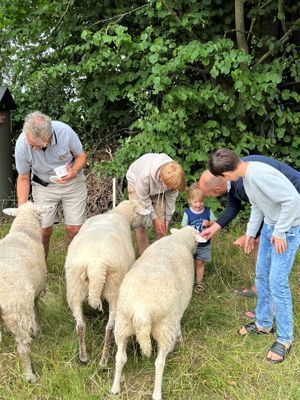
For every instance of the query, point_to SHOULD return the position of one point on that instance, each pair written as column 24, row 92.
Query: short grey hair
column 38, row 125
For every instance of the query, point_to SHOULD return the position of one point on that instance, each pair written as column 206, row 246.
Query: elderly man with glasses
column 43, row 148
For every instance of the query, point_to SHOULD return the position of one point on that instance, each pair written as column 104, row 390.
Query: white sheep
column 98, row 259
column 153, row 297
column 22, row 278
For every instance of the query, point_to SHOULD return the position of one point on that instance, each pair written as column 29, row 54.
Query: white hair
column 38, row 125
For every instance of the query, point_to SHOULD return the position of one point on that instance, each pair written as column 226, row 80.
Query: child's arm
column 207, row 223
column 185, row 220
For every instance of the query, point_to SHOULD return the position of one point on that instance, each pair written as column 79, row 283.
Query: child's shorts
column 203, row 253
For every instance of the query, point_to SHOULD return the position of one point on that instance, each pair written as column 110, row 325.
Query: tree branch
column 252, row 23
column 201, row 71
column 240, row 26
column 62, row 17
column 282, row 40
column 120, row 16
column 171, row 11
column 281, row 16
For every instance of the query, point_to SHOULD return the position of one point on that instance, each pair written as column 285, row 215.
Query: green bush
column 162, row 76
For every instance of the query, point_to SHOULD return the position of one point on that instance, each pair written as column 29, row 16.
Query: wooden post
column 114, row 192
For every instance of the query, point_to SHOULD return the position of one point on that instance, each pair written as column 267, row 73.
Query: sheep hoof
column 179, row 340
column 37, row 334
column 83, row 360
column 115, row 390
column 31, row 379
column 103, row 364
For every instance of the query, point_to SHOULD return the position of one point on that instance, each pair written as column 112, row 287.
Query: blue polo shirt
column 64, row 146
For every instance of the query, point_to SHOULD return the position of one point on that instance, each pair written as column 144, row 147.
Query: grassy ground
column 212, row 363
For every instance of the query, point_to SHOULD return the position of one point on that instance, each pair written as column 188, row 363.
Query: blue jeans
column 272, row 283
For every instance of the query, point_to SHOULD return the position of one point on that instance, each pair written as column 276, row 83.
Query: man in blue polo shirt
column 43, row 146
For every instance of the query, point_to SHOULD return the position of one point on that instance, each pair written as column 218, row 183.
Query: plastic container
column 61, row 171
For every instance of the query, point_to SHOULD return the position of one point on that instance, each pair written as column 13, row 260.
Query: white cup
column 61, row 171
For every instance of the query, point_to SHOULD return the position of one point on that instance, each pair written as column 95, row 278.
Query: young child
column 155, row 180
column 274, row 200
column 201, row 217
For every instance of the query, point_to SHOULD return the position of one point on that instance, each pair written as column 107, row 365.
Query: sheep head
column 39, row 210
column 141, row 216
column 189, row 235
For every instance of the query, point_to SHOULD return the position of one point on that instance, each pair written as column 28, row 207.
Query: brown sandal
column 199, row 287
column 252, row 328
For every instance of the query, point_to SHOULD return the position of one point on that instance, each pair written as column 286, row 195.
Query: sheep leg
column 82, row 346
column 24, row 353
column 80, row 328
column 121, row 358
column 0, row 325
column 37, row 329
column 108, row 337
column 179, row 338
column 159, row 369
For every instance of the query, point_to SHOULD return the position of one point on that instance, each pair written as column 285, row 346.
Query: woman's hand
column 241, row 241
column 280, row 244
column 160, row 226
column 249, row 244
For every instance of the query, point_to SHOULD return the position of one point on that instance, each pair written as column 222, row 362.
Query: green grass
column 212, row 363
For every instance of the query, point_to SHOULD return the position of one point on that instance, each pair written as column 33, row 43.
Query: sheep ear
column 10, row 211
column 143, row 211
column 200, row 239
column 174, row 230
column 44, row 209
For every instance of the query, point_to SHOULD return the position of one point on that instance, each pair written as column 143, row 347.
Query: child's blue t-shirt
column 196, row 219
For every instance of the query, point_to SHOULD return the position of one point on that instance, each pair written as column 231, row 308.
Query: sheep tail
column 96, row 272
column 142, row 328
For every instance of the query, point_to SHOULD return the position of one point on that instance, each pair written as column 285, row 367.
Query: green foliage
column 157, row 76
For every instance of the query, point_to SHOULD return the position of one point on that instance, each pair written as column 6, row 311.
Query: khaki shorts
column 158, row 202
column 70, row 195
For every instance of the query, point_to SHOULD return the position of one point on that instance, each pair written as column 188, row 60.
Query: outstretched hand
column 208, row 233
column 249, row 244
column 240, row 242
column 280, row 244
